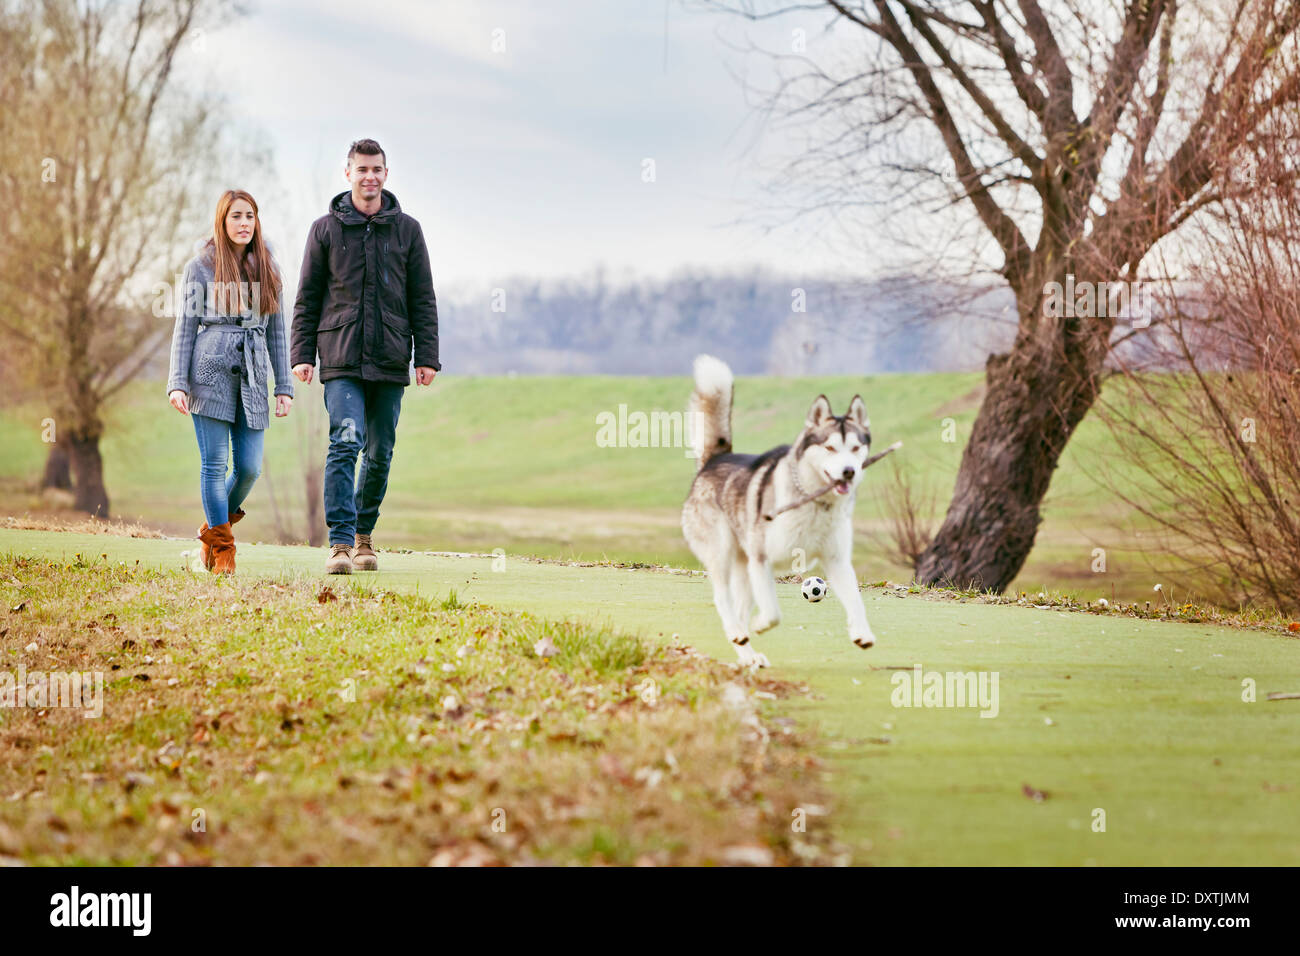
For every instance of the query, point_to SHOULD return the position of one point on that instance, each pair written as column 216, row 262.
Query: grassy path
column 1142, row 720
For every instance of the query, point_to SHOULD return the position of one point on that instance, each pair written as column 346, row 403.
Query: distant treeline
column 760, row 323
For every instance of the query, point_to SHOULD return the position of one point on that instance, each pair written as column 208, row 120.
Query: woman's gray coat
column 221, row 360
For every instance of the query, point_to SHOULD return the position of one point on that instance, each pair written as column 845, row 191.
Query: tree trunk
column 92, row 497
column 1037, row 393
column 58, row 467
column 313, row 494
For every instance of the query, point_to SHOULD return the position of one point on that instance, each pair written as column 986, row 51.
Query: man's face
column 366, row 175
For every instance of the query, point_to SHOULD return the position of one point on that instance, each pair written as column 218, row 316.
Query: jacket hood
column 342, row 208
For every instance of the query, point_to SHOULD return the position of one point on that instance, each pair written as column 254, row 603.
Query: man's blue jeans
column 363, row 420
column 221, row 494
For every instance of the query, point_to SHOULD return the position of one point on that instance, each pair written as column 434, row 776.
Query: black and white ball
column 814, row 589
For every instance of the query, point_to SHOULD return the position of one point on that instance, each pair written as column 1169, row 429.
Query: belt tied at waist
column 244, row 325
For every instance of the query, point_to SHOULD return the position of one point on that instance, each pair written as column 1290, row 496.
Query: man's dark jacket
column 364, row 295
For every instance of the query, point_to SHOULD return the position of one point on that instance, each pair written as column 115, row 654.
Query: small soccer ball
column 814, row 589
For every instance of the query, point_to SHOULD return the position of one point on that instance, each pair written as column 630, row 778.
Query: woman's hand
column 180, row 401
column 282, row 405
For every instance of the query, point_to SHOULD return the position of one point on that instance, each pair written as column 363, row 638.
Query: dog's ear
column 819, row 413
column 858, row 412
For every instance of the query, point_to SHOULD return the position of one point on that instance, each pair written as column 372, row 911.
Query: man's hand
column 179, row 400
column 282, row 405
column 424, row 375
column 303, row 372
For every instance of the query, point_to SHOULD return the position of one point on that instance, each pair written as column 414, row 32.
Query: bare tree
column 308, row 480
column 1076, row 136
column 909, row 531
column 104, row 159
column 1211, row 441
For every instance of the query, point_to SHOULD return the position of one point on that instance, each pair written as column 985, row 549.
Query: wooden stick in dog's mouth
column 817, row 494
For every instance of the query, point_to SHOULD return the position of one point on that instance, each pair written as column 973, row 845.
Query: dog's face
column 834, row 447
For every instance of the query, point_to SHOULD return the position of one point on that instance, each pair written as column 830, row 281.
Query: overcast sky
column 526, row 160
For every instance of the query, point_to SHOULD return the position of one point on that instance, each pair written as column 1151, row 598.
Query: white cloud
column 525, row 161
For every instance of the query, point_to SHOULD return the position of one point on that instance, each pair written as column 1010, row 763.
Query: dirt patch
column 78, row 524
column 963, row 403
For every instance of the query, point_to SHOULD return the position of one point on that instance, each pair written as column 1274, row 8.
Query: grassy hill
column 1146, row 721
column 514, row 463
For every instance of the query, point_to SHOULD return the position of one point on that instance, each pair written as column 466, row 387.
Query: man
column 364, row 297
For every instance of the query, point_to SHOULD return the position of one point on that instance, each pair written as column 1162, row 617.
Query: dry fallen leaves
column 749, row 855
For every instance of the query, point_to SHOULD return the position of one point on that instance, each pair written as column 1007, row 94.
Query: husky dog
column 726, row 516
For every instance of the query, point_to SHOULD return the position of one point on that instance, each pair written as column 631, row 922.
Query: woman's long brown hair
column 255, row 265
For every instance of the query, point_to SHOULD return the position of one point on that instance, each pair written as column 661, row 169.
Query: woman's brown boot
column 205, row 553
column 221, row 545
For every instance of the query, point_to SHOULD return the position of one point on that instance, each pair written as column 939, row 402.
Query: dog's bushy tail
column 710, row 409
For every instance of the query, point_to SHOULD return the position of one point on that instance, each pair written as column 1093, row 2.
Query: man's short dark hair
column 366, row 147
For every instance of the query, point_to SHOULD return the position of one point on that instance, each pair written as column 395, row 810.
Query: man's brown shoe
column 363, row 555
column 221, row 546
column 340, row 560
column 205, row 553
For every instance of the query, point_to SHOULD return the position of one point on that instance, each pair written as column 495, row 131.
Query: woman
column 231, row 317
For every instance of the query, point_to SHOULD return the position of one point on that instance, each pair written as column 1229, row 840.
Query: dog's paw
column 863, row 639
column 767, row 622
column 750, row 657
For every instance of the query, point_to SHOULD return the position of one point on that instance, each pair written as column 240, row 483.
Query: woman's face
column 240, row 222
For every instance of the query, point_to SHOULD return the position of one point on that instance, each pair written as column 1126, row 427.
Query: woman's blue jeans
column 222, row 494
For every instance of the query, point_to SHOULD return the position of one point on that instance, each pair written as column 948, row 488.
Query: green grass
column 1142, row 719
column 513, row 463
column 302, row 722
